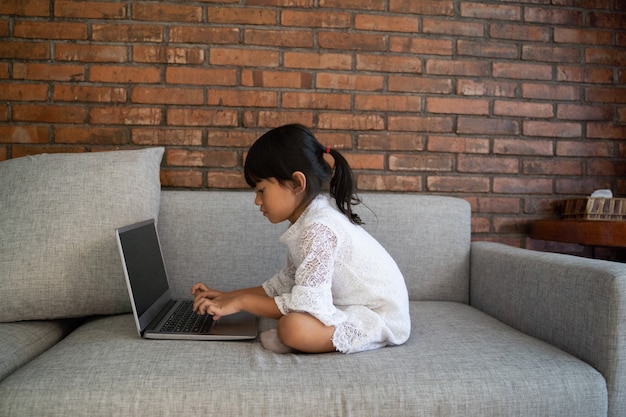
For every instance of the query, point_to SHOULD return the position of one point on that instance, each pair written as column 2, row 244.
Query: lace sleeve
column 312, row 292
column 282, row 282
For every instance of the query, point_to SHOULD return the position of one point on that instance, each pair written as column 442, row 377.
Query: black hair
column 282, row 151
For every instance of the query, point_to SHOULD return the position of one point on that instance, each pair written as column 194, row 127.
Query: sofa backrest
column 221, row 238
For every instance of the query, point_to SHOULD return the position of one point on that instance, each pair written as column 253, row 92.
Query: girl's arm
column 217, row 303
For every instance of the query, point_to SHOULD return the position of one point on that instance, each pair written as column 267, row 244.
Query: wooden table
column 582, row 232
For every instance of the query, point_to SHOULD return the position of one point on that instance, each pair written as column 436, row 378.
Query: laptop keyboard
column 185, row 320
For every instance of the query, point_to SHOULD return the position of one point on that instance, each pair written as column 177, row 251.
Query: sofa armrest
column 573, row 303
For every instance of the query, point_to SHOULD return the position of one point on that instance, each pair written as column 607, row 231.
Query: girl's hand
column 218, row 306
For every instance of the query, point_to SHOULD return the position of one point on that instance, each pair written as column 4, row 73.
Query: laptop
column 156, row 312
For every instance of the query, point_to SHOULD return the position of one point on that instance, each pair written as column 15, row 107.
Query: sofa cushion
column 58, row 212
column 458, row 362
column 22, row 341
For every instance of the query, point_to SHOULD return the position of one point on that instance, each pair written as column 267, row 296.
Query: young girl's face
column 278, row 202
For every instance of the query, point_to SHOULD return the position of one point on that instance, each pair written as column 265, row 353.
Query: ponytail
column 343, row 188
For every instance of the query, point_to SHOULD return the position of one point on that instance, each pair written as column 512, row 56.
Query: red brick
column 386, row 23
column 552, row 129
column 457, row 184
column 312, row 60
column 242, row 15
column 581, row 112
column 523, row 147
column 23, row 92
column 581, row 186
column 204, row 35
column 24, row 8
column 457, row 144
column 279, row 38
column 166, row 12
column 24, row 50
column 272, row 118
column 276, row 79
column 124, row 74
column 336, row 81
column 481, row 87
column 23, row 134
column 315, row 18
column 487, row 164
column 239, row 98
column 91, row 53
column 89, row 94
column 499, row 205
column 201, row 117
column 353, row 4
column 350, row 41
column 522, row 185
column 480, row 225
column 584, row 149
column 606, row 131
column 550, row 54
column 609, row 19
column 350, row 122
column 326, row 101
column 3, row 153
column 232, row 138
column 201, row 76
column 410, row 84
column 418, row 162
column 421, row 124
column 550, row 92
column 422, row 7
column 181, row 178
column 389, row 141
column 462, row 68
column 543, row 167
column 582, row 36
column 228, row 180
column 167, row 55
column 243, row 57
column 365, row 160
column 127, row 33
column 553, row 16
column 448, row 27
column 392, row 103
column 457, row 106
column 161, row 136
column 523, row 109
column 519, row 32
column 90, row 136
column 201, row 158
column 167, row 95
column 482, row 126
column 393, row 64
column 50, row 30
column 400, row 183
column 334, row 140
column 584, row 74
column 89, row 9
column 606, row 95
column 487, row 11
column 49, row 114
column 126, row 115
column 18, row 151
column 487, row 49
column 522, row 71
column 423, row 46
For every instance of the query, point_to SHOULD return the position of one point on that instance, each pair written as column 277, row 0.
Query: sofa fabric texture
column 57, row 258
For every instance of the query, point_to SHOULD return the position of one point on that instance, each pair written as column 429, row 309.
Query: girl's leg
column 305, row 333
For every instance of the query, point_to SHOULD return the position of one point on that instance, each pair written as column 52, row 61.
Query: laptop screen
column 144, row 263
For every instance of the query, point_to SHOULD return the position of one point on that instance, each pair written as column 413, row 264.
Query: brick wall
column 510, row 105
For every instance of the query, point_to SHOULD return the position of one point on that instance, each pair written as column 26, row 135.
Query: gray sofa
column 496, row 330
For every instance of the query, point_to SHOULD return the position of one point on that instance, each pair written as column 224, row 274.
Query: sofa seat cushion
column 458, row 362
column 58, row 214
column 20, row 342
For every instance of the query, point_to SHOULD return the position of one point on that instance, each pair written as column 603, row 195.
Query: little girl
column 340, row 290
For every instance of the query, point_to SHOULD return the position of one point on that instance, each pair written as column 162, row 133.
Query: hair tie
column 328, row 149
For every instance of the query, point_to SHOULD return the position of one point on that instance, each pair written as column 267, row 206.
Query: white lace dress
column 340, row 274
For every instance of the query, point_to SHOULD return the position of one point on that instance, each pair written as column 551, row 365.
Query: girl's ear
column 299, row 181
